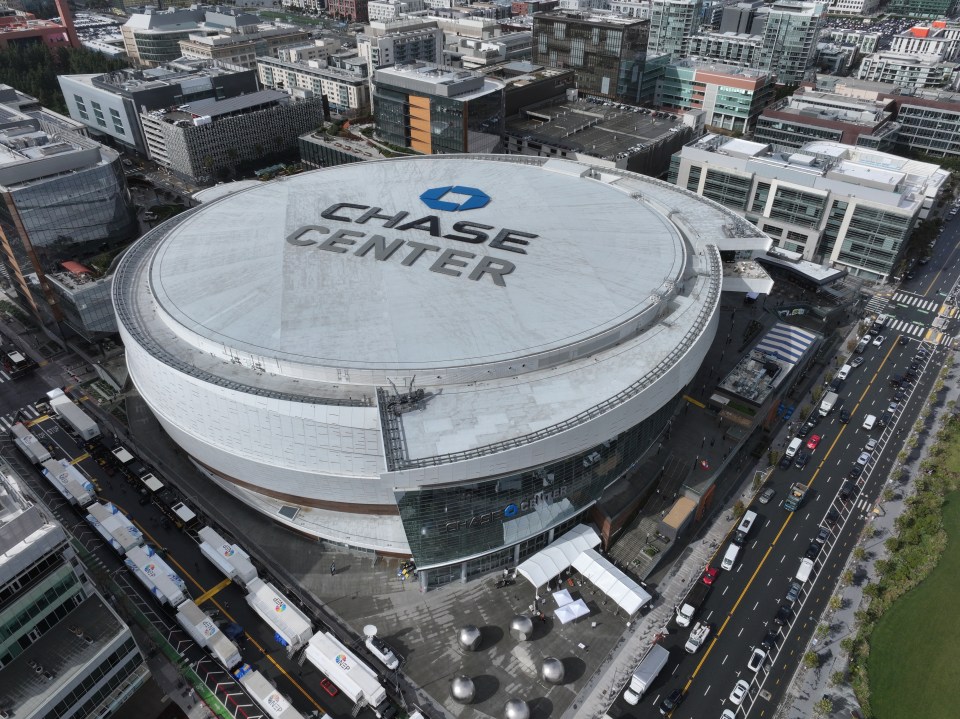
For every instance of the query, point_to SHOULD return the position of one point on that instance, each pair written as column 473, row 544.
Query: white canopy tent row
column 576, row 549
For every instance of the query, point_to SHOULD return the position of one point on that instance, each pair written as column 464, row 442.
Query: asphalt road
column 225, row 600
column 744, row 601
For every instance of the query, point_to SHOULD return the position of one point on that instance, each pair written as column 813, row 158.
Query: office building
column 526, row 84
column 154, row 37
column 909, row 71
column 352, row 10
column 939, row 39
column 727, row 48
column 606, row 51
column 392, row 9
column 398, row 42
column 342, row 78
column 84, row 298
column 209, row 139
column 109, row 104
column 850, row 207
column 672, row 24
column 62, row 197
column 731, row 97
column 865, row 42
column 810, row 115
column 636, row 9
column 923, row 9
column 64, row 652
column 435, row 110
column 475, row 54
column 587, row 353
column 790, row 33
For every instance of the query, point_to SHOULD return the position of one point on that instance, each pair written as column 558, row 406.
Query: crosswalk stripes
column 907, row 328
column 917, row 302
column 29, row 412
column 877, row 305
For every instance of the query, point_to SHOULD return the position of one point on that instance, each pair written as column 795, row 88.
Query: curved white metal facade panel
column 286, row 366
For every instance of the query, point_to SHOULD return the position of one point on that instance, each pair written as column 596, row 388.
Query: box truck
column 229, row 558
column 68, row 481
column 646, row 671
column 28, row 444
column 828, row 403
column 113, row 525
column 354, row 677
column 162, row 582
column 205, row 632
column 70, row 413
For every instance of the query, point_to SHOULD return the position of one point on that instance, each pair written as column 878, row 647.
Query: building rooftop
column 834, row 107
column 173, row 73
column 28, row 152
column 212, row 107
column 720, row 68
column 594, row 129
column 439, row 80
column 880, row 177
column 594, row 18
column 767, row 364
column 60, row 655
column 359, row 148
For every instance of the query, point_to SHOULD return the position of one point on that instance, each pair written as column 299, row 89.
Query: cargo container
column 229, row 558
column 266, row 695
column 79, row 420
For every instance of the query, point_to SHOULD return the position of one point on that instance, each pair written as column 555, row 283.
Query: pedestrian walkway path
column 877, row 305
column 908, row 328
column 29, row 412
column 908, row 300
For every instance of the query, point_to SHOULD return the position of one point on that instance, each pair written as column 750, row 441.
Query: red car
column 813, row 441
column 709, row 575
column 329, row 687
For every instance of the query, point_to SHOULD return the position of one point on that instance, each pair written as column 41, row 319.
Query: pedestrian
column 333, row 568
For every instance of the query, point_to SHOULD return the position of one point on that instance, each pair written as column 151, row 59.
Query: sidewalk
column 809, row 686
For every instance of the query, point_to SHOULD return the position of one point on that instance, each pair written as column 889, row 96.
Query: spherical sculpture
column 516, row 709
column 552, row 670
column 521, row 627
column 469, row 638
column 463, row 690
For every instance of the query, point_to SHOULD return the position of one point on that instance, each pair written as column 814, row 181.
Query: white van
column 803, row 574
column 869, row 421
column 844, row 371
column 730, row 558
column 794, row 446
column 743, row 529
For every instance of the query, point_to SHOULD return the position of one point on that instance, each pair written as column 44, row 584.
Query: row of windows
column 67, row 705
column 727, row 189
column 23, row 581
column 41, row 627
column 797, row 208
column 26, row 616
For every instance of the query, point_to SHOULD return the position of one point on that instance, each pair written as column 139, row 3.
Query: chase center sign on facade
column 446, row 357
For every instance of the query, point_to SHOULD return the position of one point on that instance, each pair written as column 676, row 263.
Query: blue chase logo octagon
column 471, row 198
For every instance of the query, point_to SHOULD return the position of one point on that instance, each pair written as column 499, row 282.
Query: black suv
column 836, row 385
column 784, row 614
column 802, row 459
column 823, row 535
column 672, row 701
column 847, row 490
column 813, row 550
column 769, row 641
column 884, row 419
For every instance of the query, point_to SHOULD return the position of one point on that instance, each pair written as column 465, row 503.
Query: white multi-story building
column 916, row 71
column 940, row 39
column 584, row 5
column 849, row 206
column 865, row 42
column 672, row 24
column 396, row 42
column 345, row 85
column 382, row 10
column 727, row 47
column 305, row 5
column 854, row 7
column 639, row 9
column 319, row 50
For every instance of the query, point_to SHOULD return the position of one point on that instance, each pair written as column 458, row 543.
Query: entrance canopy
column 559, row 555
column 628, row 595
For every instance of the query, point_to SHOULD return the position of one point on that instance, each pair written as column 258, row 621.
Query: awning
column 628, row 595
column 571, row 611
column 558, row 555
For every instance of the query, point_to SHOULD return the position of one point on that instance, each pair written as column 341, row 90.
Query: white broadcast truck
column 354, row 678
column 646, row 671
column 70, row 413
column 204, row 631
column 113, row 525
column 154, row 573
column 28, row 444
column 291, row 627
column 229, row 558
column 265, row 694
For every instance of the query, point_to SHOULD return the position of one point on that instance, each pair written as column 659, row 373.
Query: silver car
column 766, row 495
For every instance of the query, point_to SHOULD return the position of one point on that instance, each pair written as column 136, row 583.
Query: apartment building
column 378, row 11
column 109, row 104
column 352, row 10
column 434, row 110
column 672, row 24
column 606, row 51
column 811, row 115
column 343, row 79
column 854, row 7
column 909, row 71
column 397, row 42
column 731, row 97
column 209, row 139
column 240, row 48
column 923, row 9
column 939, row 39
column 850, row 207
column 64, row 652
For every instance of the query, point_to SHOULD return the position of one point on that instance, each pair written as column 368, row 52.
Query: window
column 727, row 189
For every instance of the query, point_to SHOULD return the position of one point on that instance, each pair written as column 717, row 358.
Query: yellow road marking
column 691, row 400
column 85, row 455
column 209, row 593
column 786, row 521
column 39, row 419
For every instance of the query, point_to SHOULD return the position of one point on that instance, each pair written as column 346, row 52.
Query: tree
column 811, row 660
column 859, row 554
column 847, row 577
column 823, row 707
column 739, row 509
column 838, row 678
column 817, row 393
column 805, row 412
column 822, row 631
column 836, row 602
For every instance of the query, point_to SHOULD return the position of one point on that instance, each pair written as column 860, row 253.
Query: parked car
column 710, row 575
column 871, row 445
column 766, row 495
column 822, row 535
column 878, row 340
column 739, row 692
column 784, row 614
column 857, row 361
column 813, row 550
column 757, row 659
column 794, row 591
column 813, row 442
